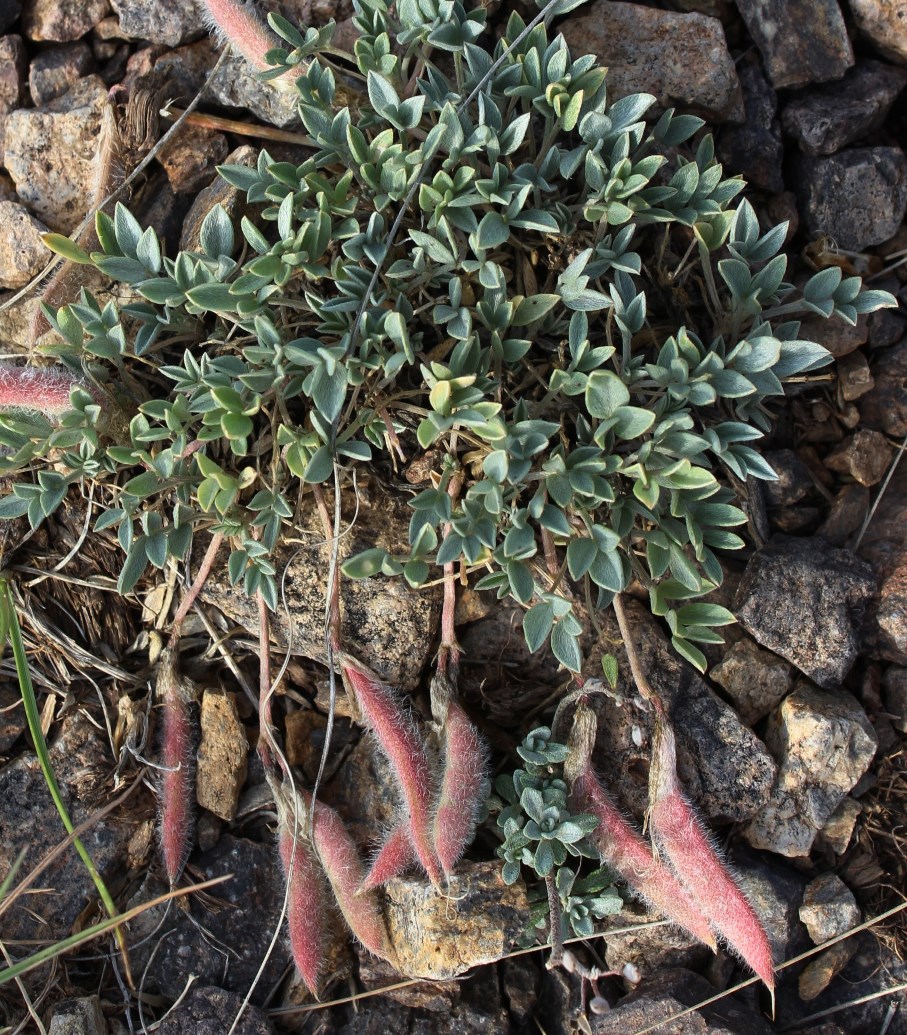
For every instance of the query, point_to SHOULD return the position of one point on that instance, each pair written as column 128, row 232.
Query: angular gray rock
column 884, row 22
column 653, row 1003
column 755, row 679
column 78, row 1017
column 827, row 118
column 725, row 768
column 169, row 22
column 680, row 58
column 61, row 21
column 755, row 148
column 823, row 742
column 235, row 86
column 208, row 1010
column 802, row 41
column 775, row 891
column 828, row 908
column 22, row 252
column 858, row 196
column 52, row 153
column 806, row 601
column 56, row 70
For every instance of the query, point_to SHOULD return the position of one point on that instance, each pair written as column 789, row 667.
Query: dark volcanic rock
column 806, row 601
column 858, row 196
column 827, row 118
column 207, row 1010
column 755, row 148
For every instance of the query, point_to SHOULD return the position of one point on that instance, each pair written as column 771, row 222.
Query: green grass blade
column 10, row 619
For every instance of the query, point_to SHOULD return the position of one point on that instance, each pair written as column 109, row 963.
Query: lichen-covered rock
column 885, row 23
column 827, row 118
column 207, row 1010
column 52, row 153
column 78, row 1017
column 235, row 86
column 22, row 252
column 823, row 742
column 440, row 936
column 61, row 21
column 857, row 196
column 802, row 41
column 828, row 908
column 680, row 58
column 806, row 601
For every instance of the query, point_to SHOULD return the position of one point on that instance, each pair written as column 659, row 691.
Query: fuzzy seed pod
column 177, row 790
column 399, row 738
column 621, row 847
column 345, row 872
column 40, row 389
column 677, row 830
column 394, row 857
column 464, row 787
column 239, row 24
column 305, row 899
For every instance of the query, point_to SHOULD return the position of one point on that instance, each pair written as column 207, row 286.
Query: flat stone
column 61, row 21
column 441, row 936
column 725, row 768
column 858, row 196
column 865, row 456
column 823, row 743
column 854, row 376
column 821, row 970
column 22, row 252
column 208, row 1010
column 170, row 22
column 680, row 58
column 894, row 686
column 827, row 118
column 649, row 945
column 29, row 819
column 222, row 755
column 828, row 908
column 755, row 148
column 885, row 23
column 384, row 623
column 755, row 679
column 884, row 406
column 837, row 833
column 78, row 1017
column 52, row 153
column 56, row 70
column 806, row 601
column 801, row 41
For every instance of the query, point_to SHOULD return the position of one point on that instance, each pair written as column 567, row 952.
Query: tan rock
column 222, row 755
column 865, row 456
column 885, row 23
column 22, row 252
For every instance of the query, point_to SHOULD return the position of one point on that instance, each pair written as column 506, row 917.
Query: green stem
column 10, row 619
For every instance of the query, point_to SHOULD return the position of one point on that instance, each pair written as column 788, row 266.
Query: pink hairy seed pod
column 41, row 389
column 239, row 24
column 305, row 898
column 394, row 857
column 345, row 872
column 464, row 783
column 678, row 831
column 177, row 777
column 620, row 846
column 400, row 741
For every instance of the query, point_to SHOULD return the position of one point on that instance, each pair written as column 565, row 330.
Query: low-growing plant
column 543, row 834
